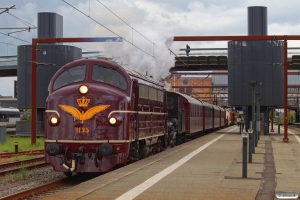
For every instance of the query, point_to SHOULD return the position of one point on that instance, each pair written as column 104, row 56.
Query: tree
column 292, row 117
column 27, row 115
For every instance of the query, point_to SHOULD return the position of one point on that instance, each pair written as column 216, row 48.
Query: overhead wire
column 125, row 22
column 6, row 11
column 26, row 23
column 107, row 28
column 29, row 24
column 23, row 21
column 9, row 43
column 14, row 37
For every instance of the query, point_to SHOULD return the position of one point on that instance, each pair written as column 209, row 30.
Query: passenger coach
column 189, row 116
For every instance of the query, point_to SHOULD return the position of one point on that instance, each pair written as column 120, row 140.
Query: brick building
column 188, row 82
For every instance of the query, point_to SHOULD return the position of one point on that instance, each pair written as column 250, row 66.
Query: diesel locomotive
column 100, row 115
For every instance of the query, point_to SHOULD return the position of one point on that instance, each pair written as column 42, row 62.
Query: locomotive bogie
column 87, row 156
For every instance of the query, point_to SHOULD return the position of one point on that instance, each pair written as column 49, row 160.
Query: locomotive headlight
column 115, row 119
column 112, row 120
column 54, row 120
column 83, row 89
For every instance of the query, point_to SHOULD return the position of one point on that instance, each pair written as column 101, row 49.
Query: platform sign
column 278, row 115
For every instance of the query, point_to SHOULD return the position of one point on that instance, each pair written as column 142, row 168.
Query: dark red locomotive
column 100, row 114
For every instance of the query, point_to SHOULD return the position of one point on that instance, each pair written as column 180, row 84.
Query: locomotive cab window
column 109, row 75
column 71, row 75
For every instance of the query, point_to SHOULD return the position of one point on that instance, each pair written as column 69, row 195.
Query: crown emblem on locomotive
column 83, row 102
column 82, row 116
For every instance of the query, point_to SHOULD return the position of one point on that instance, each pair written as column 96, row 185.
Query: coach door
column 181, row 121
column 134, row 123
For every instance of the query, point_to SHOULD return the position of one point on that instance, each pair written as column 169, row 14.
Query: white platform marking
column 293, row 135
column 131, row 194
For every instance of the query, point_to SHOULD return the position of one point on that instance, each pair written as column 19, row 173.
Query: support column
column 285, row 138
column 272, row 119
column 258, row 121
column 253, row 84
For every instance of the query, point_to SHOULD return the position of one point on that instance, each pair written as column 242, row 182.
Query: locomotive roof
column 139, row 75
column 131, row 72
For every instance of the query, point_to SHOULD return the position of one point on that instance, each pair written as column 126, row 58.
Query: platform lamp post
column 272, row 119
column 258, row 99
column 253, row 84
column 250, row 134
column 244, row 166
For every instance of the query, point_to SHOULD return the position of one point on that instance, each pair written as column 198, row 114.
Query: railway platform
column 209, row 167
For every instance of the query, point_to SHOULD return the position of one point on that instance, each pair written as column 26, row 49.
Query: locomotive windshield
column 71, row 75
column 109, row 75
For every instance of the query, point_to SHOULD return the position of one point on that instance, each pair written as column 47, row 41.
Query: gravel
column 35, row 178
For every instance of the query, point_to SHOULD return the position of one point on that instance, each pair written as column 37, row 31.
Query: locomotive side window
column 143, row 91
column 71, row 75
column 109, row 75
column 160, row 96
column 152, row 93
column 147, row 92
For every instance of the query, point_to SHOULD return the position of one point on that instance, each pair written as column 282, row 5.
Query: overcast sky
column 157, row 20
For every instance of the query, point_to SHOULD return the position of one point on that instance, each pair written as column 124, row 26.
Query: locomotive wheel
column 143, row 151
column 171, row 141
column 68, row 174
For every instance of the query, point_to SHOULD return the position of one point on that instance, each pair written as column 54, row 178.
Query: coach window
column 71, row 75
column 109, row 75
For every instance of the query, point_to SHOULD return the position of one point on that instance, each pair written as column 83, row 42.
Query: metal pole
column 240, row 125
column 244, row 170
column 285, row 138
column 258, row 94
column 33, row 92
column 16, row 147
column 250, row 130
column 272, row 120
column 253, row 117
column 258, row 111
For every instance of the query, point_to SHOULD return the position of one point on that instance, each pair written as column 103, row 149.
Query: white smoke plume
column 167, row 86
column 156, row 62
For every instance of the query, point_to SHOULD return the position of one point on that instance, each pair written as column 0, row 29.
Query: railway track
column 12, row 154
column 37, row 190
column 17, row 166
column 40, row 191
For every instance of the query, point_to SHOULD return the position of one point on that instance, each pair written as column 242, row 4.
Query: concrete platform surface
column 209, row 167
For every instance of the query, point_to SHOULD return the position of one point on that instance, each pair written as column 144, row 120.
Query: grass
column 8, row 178
column 23, row 173
column 24, row 144
column 21, row 158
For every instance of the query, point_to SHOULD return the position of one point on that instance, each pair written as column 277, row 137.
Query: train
column 9, row 116
column 100, row 115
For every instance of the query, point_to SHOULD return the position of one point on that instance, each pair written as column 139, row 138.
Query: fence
column 23, row 128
